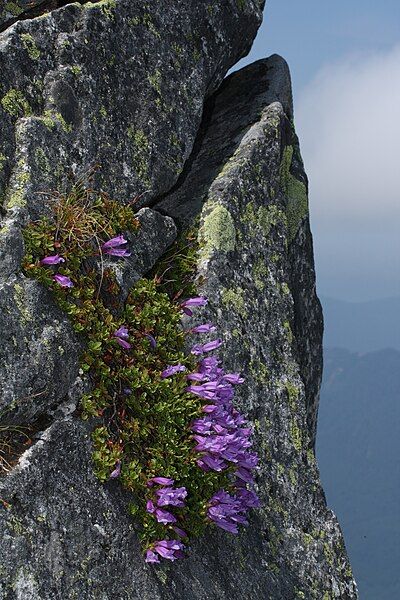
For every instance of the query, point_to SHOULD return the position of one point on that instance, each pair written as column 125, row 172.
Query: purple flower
column 125, row 345
column 52, row 260
column 196, row 377
column 200, row 349
column 198, row 301
column 150, row 508
column 121, row 336
column 160, row 481
column 187, row 304
column 163, row 516
column 168, row 496
column 63, row 280
column 206, row 328
column 172, row 370
column 117, row 471
column 180, row 532
column 127, row 391
column 169, row 549
column 152, row 340
column 151, row 557
column 113, row 247
column 119, row 240
column 122, row 332
column 120, row 252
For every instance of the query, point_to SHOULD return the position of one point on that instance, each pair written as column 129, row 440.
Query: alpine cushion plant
column 169, row 431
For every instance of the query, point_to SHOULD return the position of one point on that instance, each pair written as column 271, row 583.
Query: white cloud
column 348, row 120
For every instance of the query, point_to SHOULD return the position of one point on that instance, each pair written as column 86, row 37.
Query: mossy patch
column 260, row 271
column 30, row 46
column 296, row 435
column 15, row 104
column 21, row 302
column 140, row 153
column 217, row 232
column 295, row 192
column 262, row 217
column 16, row 198
column 234, row 299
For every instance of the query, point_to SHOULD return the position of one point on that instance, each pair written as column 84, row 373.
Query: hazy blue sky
column 344, row 58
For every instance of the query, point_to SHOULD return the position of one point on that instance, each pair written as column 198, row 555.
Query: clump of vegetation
column 156, row 401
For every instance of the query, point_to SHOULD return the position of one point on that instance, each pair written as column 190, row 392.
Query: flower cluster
column 168, row 431
column 111, row 247
column 165, row 495
column 222, row 443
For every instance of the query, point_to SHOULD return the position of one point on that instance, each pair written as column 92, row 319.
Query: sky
column 344, row 59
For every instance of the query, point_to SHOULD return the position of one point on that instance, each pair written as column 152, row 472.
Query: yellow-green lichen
column 3, row 159
column 263, row 217
column 17, row 196
column 260, row 271
column 41, row 160
column 293, row 394
column 50, row 119
column 296, row 436
column 141, row 153
column 234, row 299
column 295, row 192
column 259, row 371
column 155, row 80
column 217, row 232
column 21, row 302
column 288, row 332
column 285, row 288
column 13, row 8
column 293, row 477
column 76, row 70
column 30, row 46
column 15, row 104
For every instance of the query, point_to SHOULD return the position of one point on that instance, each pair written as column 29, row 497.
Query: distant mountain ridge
column 358, row 449
column 362, row 326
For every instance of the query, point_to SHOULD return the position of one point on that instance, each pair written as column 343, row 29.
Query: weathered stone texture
column 125, row 85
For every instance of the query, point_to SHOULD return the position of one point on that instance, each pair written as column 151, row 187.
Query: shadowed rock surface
column 242, row 182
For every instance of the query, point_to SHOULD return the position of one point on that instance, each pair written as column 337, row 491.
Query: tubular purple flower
column 63, row 280
column 122, row 332
column 196, row 377
column 168, row 496
column 113, row 247
column 121, row 336
column 150, row 508
column 117, row 471
column 172, row 370
column 160, row 481
column 124, row 344
column 197, row 301
column 127, row 391
column 163, row 516
column 206, row 328
column 120, row 252
column 119, row 240
column 180, row 532
column 201, row 349
column 151, row 557
column 52, row 260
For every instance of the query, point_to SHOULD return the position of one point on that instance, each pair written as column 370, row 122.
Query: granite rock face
column 74, row 94
column 125, row 85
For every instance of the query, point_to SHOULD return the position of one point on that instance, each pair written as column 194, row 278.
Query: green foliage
column 145, row 419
